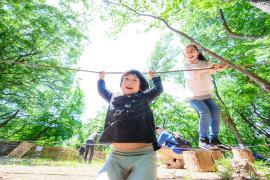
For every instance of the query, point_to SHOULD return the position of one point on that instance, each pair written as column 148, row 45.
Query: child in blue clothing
column 130, row 128
column 169, row 139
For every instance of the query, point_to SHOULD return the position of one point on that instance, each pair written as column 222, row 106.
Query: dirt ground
column 47, row 172
column 19, row 172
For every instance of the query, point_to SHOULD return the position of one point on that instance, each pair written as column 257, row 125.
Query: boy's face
column 130, row 84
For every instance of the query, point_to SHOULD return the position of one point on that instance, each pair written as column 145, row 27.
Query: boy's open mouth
column 129, row 88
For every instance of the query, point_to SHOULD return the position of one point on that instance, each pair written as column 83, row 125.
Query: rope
column 107, row 144
column 100, row 144
column 35, row 66
column 110, row 72
column 235, row 146
column 256, row 145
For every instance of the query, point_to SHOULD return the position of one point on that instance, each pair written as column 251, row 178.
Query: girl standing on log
column 198, row 87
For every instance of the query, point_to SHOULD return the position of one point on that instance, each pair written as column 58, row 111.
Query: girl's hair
column 201, row 57
column 143, row 82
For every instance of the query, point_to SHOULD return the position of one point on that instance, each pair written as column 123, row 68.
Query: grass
column 262, row 169
column 46, row 162
column 225, row 169
column 258, row 170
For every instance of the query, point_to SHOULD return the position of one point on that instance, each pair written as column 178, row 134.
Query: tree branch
column 257, row 113
column 252, row 124
column 264, row 84
column 10, row 118
column 233, row 34
column 261, row 4
column 17, row 130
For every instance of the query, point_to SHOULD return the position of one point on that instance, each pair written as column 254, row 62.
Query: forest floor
column 69, row 173
column 9, row 170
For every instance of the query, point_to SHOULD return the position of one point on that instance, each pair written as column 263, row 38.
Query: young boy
column 130, row 127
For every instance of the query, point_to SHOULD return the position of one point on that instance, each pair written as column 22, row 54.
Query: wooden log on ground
column 7, row 146
column 59, row 153
column 21, row 150
column 170, row 159
column 175, row 164
column 199, row 160
column 239, row 154
column 99, row 155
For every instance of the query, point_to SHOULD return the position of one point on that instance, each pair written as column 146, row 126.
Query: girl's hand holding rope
column 224, row 66
column 215, row 66
column 219, row 67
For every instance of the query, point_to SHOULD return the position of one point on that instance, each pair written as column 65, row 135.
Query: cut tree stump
column 175, row 164
column 21, row 150
column 199, row 160
column 239, row 154
column 216, row 154
column 170, row 159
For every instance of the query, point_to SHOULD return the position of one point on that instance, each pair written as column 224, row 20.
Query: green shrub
column 225, row 168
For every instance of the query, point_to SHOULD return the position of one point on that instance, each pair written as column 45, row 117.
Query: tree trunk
column 262, row 5
column 229, row 121
column 36, row 137
column 16, row 131
column 257, row 113
column 227, row 117
column 9, row 118
column 264, row 84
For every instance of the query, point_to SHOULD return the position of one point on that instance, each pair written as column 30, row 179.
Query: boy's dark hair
column 201, row 57
column 143, row 82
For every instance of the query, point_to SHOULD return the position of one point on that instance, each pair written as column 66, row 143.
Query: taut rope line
column 37, row 66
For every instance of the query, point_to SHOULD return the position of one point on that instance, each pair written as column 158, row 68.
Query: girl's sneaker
column 204, row 144
column 216, row 143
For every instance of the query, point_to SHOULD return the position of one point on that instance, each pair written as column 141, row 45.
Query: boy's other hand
column 152, row 74
column 102, row 75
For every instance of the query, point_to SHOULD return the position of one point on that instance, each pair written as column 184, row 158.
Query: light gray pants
column 140, row 164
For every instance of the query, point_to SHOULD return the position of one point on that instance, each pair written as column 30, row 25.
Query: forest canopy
column 39, row 103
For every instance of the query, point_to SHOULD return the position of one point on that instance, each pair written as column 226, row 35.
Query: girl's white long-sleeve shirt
column 198, row 83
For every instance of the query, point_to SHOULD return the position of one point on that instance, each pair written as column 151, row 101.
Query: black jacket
column 129, row 117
